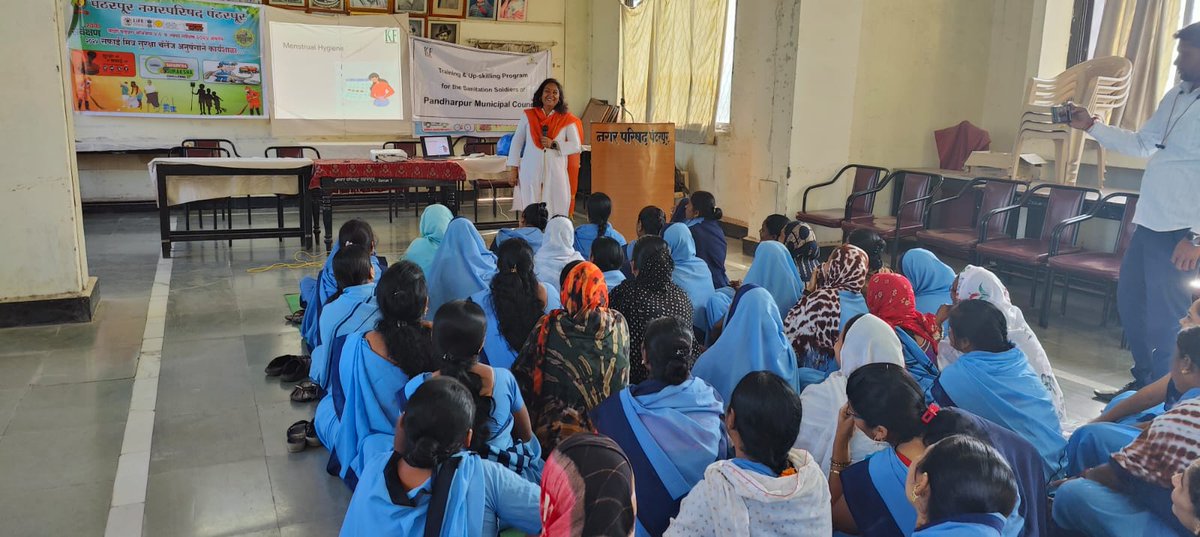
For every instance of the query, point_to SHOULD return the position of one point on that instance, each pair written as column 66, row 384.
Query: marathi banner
column 177, row 58
column 461, row 90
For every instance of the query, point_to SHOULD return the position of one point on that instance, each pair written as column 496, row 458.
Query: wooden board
column 634, row 163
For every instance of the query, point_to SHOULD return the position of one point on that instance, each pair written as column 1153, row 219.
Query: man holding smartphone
column 1154, row 289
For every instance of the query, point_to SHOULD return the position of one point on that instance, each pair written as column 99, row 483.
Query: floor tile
column 303, row 491
column 59, row 457
column 274, row 420
column 72, row 405
column 19, row 370
column 192, row 440
column 75, row 510
column 218, row 500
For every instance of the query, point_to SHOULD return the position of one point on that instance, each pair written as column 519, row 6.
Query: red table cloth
column 434, row 170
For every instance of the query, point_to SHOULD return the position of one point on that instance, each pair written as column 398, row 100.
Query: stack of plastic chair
column 1101, row 85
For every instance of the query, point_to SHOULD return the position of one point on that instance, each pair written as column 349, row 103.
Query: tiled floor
column 218, row 465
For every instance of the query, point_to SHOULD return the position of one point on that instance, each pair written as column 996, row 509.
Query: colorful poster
column 176, row 58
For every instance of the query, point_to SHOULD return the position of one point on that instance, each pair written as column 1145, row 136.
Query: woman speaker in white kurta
column 547, row 138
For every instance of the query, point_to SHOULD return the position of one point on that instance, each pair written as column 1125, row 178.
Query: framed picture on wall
column 416, row 26
column 410, row 6
column 481, row 9
column 443, row 31
column 512, row 10
column 289, row 4
column 327, row 6
column 448, row 8
column 370, row 6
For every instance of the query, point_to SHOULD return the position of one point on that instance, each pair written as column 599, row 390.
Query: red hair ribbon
column 930, row 413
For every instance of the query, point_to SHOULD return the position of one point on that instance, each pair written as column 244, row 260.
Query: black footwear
column 296, row 438
column 296, row 369
column 295, row 318
column 275, row 367
column 306, row 392
column 1108, row 395
column 310, row 435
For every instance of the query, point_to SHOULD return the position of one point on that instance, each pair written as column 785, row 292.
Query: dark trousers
column 1152, row 295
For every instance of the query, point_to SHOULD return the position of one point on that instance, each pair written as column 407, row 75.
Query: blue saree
column 752, row 340
column 497, row 352
column 434, row 220
column 588, row 233
column 691, row 273
column 874, row 491
column 462, row 267
column 355, row 311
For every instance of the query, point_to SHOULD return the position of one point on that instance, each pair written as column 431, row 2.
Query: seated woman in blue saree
column 886, row 403
column 599, row 209
column 353, row 309
column 502, row 430
column 315, row 293
column 368, row 369
column 961, row 487
column 993, row 380
column 1123, row 420
column 533, row 226
column 774, row 269
column 606, row 254
column 751, row 341
column 670, row 426
column 813, row 324
column 650, row 223
column 691, row 273
column 703, row 219
column 513, row 303
column 931, row 279
column 462, row 267
column 426, row 484
column 890, row 297
column 422, row 250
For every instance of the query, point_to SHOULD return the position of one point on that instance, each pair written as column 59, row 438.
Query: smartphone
column 1062, row 112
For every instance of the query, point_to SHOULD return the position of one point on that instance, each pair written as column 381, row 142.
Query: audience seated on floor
column 557, row 250
column 774, row 269
column 931, row 279
column 575, row 358
column 1130, row 493
column 874, row 245
column 961, row 487
column 670, row 426
column 606, row 254
column 752, row 341
column 351, row 310
column 768, row 488
column 835, row 296
column 368, row 369
column 429, row 470
column 532, row 227
column 315, row 292
column 980, row 283
column 422, row 250
column 502, row 430
column 650, row 222
column 599, row 210
column 691, row 273
column 890, row 297
column 649, row 295
column 993, row 379
column 703, row 218
column 462, row 267
column 1185, row 497
column 513, row 303
column 797, row 237
column 866, row 340
column 588, row 489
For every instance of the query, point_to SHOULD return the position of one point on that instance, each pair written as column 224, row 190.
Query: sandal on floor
column 296, row 438
column 310, row 435
column 295, row 318
column 306, row 392
column 275, row 367
column 296, row 369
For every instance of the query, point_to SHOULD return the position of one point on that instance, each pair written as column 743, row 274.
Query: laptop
column 437, row 147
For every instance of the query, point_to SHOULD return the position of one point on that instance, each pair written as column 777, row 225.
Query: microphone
column 545, row 131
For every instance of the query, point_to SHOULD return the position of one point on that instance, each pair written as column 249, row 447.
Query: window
column 1088, row 14
column 725, row 91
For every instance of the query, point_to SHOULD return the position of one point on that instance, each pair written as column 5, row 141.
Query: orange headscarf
column 583, row 292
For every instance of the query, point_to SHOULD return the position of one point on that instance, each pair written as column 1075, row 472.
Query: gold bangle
column 835, row 472
column 839, row 465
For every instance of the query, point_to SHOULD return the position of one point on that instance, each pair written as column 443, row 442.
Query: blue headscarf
column 752, row 341
column 691, row 272
column 434, row 220
column 931, row 279
column 462, row 267
column 775, row 270
column 532, row 235
column 586, row 234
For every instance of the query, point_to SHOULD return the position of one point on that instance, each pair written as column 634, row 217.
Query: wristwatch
column 1193, row 238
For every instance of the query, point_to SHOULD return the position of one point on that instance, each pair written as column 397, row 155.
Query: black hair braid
column 402, row 298
column 515, row 292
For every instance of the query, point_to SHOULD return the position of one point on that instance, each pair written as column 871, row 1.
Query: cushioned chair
column 952, row 223
column 1062, row 202
column 865, row 178
column 289, row 151
column 1100, row 267
column 916, row 189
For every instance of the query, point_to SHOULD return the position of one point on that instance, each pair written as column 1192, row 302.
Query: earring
column 914, row 494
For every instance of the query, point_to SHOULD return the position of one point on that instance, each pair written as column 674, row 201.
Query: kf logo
column 391, row 35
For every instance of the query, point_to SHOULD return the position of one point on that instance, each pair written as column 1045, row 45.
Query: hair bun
column 717, row 214
column 427, row 452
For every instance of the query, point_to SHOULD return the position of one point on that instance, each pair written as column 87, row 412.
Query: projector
column 389, row 155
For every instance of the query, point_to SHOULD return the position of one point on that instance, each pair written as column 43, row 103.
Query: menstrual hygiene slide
column 336, row 72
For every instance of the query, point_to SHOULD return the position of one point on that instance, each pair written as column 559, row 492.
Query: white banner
column 461, row 87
